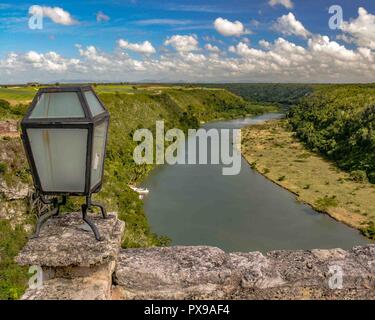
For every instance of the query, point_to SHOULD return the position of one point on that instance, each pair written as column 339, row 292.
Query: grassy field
column 273, row 150
column 24, row 94
column 17, row 95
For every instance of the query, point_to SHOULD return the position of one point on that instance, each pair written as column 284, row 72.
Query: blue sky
column 101, row 24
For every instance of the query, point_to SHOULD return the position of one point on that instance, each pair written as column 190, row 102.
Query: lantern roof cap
column 65, row 104
column 67, row 88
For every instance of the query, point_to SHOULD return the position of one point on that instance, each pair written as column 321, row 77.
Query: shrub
column 322, row 204
column 358, row 176
column 369, row 230
column 13, row 278
column 371, row 177
column 3, row 167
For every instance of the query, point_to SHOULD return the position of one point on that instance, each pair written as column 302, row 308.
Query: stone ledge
column 210, row 273
column 62, row 242
column 173, row 272
column 76, row 266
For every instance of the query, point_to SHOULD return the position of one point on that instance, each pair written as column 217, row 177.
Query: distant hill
column 277, row 93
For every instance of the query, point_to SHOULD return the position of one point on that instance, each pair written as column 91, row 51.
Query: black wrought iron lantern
column 64, row 133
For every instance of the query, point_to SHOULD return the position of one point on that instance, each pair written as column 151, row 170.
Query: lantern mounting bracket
column 56, row 203
column 44, row 217
column 85, row 207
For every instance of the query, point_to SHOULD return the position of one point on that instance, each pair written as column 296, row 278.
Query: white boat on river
column 142, row 191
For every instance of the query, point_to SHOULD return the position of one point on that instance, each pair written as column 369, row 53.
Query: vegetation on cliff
column 285, row 94
column 7, row 111
column 338, row 121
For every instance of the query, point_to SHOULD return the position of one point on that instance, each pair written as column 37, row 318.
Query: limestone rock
column 206, row 272
column 73, row 264
column 14, row 211
column 95, row 284
column 173, row 272
column 9, row 128
column 366, row 257
column 20, row 191
column 255, row 270
column 306, row 274
column 62, row 242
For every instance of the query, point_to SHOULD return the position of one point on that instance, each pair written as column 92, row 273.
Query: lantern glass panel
column 98, row 152
column 60, row 158
column 94, row 104
column 58, row 105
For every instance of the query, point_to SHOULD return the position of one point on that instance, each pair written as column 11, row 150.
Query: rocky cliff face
column 75, row 266
column 9, row 128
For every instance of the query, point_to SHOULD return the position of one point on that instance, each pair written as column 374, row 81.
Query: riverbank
column 275, row 153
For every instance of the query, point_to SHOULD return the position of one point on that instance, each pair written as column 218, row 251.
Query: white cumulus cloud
column 143, row 48
column 56, row 14
column 286, row 3
column 212, row 48
column 360, row 30
column 319, row 59
column 91, row 53
column 322, row 46
column 183, row 43
column 289, row 25
column 228, row 28
column 50, row 61
column 101, row 16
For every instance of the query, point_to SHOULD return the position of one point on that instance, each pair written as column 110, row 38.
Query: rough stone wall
column 210, row 273
column 76, row 266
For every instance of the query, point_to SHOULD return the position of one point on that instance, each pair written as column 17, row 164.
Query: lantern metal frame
column 87, row 122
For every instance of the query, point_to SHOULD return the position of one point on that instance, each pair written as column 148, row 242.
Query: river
column 197, row 205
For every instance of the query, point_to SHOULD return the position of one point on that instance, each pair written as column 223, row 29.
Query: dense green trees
column 339, row 122
column 277, row 93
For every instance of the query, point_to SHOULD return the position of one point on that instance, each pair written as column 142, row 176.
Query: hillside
column 131, row 107
column 284, row 94
column 338, row 121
